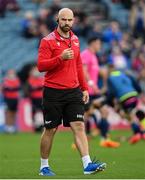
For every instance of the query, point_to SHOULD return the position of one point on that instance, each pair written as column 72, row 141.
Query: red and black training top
column 35, row 87
column 11, row 88
column 61, row 74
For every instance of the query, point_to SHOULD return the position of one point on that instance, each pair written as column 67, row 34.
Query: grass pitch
column 19, row 158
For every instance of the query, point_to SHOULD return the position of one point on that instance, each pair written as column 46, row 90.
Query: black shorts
column 62, row 106
column 11, row 104
column 93, row 97
column 129, row 104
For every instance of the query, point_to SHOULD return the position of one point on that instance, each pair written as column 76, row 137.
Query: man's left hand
column 85, row 97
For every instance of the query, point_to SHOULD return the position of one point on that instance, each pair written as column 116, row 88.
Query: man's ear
column 57, row 20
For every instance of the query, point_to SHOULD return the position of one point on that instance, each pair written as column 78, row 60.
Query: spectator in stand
column 86, row 27
column 125, row 45
column 142, row 82
column 139, row 62
column 113, row 32
column 137, row 45
column 46, row 17
column 10, row 5
column 96, row 31
column 56, row 6
column 127, row 4
column 119, row 60
column 29, row 25
column 139, row 68
column 11, row 86
column 3, row 7
column 77, row 26
column 137, row 19
column 81, row 26
column 43, row 31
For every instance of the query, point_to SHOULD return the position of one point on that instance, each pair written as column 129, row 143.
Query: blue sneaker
column 94, row 167
column 46, row 171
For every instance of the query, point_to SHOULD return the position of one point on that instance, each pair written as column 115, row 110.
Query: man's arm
column 82, row 82
column 135, row 84
column 81, row 77
column 45, row 61
column 90, row 82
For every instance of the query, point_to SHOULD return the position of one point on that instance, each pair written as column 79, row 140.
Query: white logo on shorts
column 48, row 122
column 80, row 116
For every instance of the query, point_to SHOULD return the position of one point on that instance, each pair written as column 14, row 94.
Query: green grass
column 19, row 158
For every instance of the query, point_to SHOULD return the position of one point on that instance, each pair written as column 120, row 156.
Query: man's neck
column 63, row 34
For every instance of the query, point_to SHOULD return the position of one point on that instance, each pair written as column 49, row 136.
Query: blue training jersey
column 121, row 86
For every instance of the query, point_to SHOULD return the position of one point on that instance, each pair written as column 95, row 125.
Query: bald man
column 65, row 91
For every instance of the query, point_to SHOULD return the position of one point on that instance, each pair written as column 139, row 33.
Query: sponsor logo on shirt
column 58, row 43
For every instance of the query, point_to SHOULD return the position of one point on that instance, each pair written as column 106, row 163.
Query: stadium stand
column 15, row 50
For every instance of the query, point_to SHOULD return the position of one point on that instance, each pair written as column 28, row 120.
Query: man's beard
column 65, row 28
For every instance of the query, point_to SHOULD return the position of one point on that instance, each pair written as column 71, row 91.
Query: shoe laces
column 95, row 160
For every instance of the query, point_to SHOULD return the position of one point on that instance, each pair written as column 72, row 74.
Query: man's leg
column 10, row 121
column 81, row 141
column 80, row 137
column 45, row 148
column 46, row 142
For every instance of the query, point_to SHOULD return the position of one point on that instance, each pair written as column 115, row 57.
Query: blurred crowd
column 124, row 47
column 8, row 5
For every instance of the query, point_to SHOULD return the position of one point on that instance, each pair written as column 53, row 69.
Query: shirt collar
column 59, row 37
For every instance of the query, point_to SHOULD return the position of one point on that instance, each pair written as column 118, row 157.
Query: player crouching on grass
column 102, row 124
column 126, row 91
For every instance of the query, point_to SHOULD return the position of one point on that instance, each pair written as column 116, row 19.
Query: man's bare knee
column 49, row 132
column 77, row 126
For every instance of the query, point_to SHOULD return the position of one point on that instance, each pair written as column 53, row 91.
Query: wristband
column 90, row 82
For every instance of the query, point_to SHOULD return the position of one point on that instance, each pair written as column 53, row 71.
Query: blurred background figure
column 112, row 33
column 118, row 59
column 35, row 86
column 92, row 72
column 126, row 91
column 91, row 66
column 3, row 5
column 11, row 87
column 137, row 19
column 2, row 109
column 29, row 25
column 10, row 5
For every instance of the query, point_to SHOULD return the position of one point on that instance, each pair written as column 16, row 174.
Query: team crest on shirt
column 76, row 44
